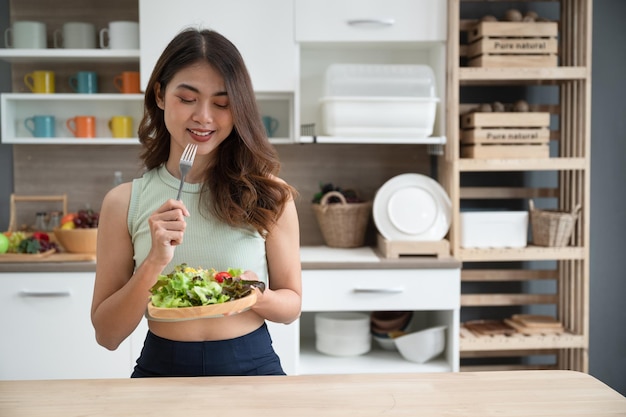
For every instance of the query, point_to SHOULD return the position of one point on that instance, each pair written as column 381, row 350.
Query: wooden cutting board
column 530, row 330
column 49, row 256
column 489, row 327
column 537, row 320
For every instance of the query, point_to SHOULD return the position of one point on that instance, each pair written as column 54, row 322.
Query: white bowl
column 385, row 342
column 422, row 346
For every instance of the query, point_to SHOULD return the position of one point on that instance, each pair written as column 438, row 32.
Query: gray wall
column 608, row 223
column 607, row 350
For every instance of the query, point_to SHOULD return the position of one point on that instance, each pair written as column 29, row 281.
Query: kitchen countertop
column 467, row 394
column 313, row 257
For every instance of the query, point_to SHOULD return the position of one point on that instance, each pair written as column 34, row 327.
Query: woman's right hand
column 167, row 227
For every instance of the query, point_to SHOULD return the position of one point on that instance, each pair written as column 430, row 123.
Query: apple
column 68, row 218
column 4, row 243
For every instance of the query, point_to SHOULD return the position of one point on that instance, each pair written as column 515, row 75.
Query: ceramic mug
column 127, row 82
column 121, row 126
column 271, row 125
column 75, row 35
column 40, row 126
column 82, row 126
column 26, row 34
column 84, row 82
column 120, row 35
column 40, row 81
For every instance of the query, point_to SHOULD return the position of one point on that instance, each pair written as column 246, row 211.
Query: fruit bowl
column 77, row 240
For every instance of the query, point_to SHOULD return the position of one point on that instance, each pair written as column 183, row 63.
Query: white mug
column 121, row 35
column 26, row 34
column 75, row 35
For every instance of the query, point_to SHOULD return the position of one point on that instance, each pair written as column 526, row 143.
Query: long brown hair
column 240, row 183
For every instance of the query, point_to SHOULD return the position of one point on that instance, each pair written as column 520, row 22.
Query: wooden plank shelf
column 471, row 342
column 529, row 253
column 523, row 164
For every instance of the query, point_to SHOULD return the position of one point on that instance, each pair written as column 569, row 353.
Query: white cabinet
column 16, row 107
column 47, row 331
column 376, row 32
column 372, row 20
column 432, row 294
column 261, row 30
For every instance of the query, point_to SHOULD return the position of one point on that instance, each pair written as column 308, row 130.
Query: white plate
column 412, row 207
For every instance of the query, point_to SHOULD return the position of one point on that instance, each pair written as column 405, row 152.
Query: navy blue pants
column 251, row 354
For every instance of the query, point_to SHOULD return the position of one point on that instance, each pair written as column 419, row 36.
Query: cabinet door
column 372, row 20
column 261, row 30
column 47, row 331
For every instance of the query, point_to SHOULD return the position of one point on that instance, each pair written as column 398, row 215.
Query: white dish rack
column 379, row 100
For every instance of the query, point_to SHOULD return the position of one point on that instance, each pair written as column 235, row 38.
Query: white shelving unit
column 16, row 107
column 21, row 56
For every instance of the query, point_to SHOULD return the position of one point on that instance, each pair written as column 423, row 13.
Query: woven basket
column 342, row 224
column 551, row 227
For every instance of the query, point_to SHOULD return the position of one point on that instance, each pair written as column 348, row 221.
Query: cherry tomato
column 221, row 276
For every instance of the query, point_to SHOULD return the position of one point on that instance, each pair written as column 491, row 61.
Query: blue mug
column 271, row 125
column 84, row 82
column 40, row 126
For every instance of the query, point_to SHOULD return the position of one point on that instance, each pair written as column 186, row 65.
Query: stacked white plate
column 412, row 207
column 342, row 333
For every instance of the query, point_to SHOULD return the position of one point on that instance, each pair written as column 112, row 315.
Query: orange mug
column 82, row 126
column 127, row 82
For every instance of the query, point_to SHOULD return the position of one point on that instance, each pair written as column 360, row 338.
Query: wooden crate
column 505, row 135
column 513, row 44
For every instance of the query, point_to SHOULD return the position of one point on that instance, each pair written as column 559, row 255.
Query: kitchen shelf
column 71, row 141
column 376, row 360
column 73, row 97
column 433, row 140
column 530, row 253
column 531, row 75
column 21, row 56
column 16, row 107
column 470, row 342
column 522, row 164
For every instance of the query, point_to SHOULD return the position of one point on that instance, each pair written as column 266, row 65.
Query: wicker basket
column 342, row 224
column 551, row 227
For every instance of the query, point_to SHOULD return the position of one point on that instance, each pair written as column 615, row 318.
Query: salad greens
column 190, row 287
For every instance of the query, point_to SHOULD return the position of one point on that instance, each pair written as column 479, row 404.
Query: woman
column 234, row 212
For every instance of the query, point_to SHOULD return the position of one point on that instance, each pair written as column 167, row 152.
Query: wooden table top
column 466, row 394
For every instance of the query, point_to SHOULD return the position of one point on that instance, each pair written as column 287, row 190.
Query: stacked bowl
column 385, row 324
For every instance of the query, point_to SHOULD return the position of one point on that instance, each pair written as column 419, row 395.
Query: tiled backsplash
column 85, row 173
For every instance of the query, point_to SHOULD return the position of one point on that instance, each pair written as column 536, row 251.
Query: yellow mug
column 40, row 81
column 121, row 126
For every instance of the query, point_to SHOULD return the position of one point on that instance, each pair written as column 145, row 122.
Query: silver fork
column 186, row 161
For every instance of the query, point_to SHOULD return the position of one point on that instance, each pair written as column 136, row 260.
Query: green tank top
column 208, row 242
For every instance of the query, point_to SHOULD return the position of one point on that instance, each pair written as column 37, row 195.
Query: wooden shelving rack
column 569, row 161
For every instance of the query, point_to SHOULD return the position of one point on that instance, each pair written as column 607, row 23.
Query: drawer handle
column 51, row 294
column 372, row 22
column 396, row 290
